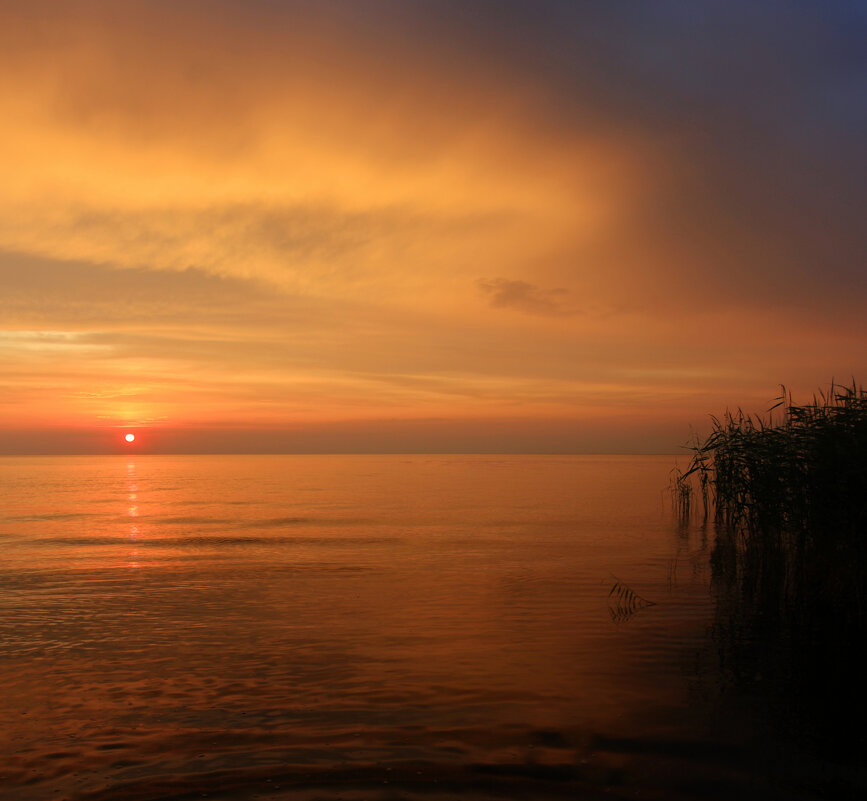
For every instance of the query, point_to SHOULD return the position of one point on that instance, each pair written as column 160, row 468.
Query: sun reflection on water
column 132, row 562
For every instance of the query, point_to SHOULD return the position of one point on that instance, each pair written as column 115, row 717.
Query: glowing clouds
column 301, row 217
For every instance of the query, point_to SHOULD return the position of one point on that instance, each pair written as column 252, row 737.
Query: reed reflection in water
column 360, row 627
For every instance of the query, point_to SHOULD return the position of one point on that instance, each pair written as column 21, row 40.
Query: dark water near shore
column 376, row 627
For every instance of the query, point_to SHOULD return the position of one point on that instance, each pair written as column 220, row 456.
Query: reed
column 804, row 475
column 788, row 495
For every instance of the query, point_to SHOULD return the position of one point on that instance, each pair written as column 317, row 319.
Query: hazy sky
column 450, row 226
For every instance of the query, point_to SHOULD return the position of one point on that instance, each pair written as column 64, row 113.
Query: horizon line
column 348, row 453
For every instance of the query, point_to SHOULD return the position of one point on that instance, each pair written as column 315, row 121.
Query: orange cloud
column 279, row 214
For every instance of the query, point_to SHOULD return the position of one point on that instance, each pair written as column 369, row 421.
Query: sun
column 130, row 437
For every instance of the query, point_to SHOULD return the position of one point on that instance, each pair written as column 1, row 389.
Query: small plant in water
column 624, row 602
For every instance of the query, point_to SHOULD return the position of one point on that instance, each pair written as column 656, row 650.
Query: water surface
column 363, row 627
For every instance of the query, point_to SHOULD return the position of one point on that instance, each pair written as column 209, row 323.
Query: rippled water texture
column 358, row 627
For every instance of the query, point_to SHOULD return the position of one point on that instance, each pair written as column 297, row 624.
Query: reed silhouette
column 789, row 502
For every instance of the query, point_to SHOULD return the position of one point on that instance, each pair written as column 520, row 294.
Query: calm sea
column 380, row 627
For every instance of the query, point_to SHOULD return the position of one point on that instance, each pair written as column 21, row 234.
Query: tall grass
column 805, row 474
column 788, row 494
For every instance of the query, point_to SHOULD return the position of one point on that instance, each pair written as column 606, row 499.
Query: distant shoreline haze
column 651, row 431
column 14, row 444
column 507, row 437
column 528, row 454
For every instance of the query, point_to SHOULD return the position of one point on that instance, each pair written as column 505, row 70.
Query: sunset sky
column 424, row 226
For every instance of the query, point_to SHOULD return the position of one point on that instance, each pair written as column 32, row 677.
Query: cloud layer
column 257, row 216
